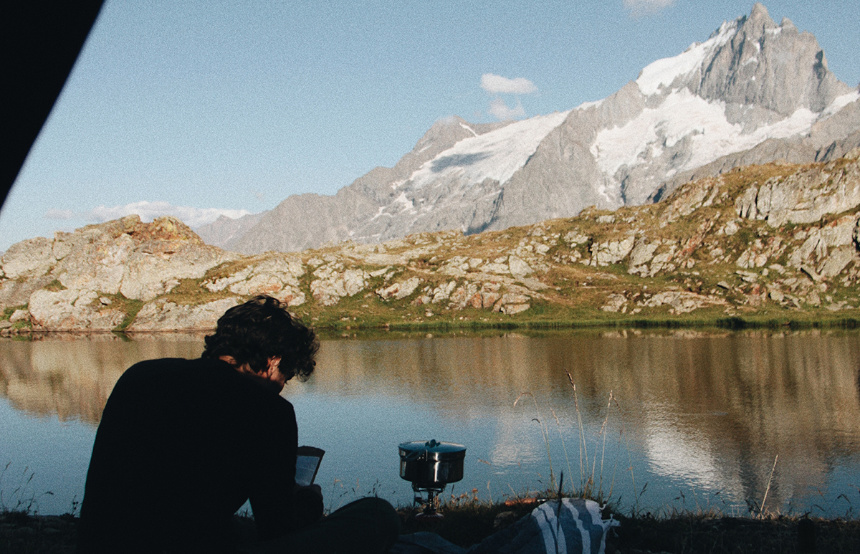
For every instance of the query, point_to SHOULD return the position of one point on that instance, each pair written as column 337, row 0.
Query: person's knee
column 372, row 524
column 383, row 512
column 383, row 515
column 376, row 504
column 388, row 521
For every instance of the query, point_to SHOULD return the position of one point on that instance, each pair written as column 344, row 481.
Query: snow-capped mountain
column 753, row 92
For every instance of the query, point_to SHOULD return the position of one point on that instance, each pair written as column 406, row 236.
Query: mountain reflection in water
column 692, row 412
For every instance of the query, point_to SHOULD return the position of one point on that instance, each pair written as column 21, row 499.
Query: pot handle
column 418, row 453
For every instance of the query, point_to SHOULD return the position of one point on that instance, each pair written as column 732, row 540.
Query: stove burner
column 430, row 466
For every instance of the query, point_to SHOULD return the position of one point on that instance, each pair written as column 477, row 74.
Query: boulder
column 28, row 259
column 611, row 252
column 399, row 290
column 157, row 266
column 614, row 303
column 19, row 315
column 642, row 252
column 512, row 303
column 837, row 260
column 803, row 197
column 681, row 301
column 574, row 238
column 512, row 309
column 456, row 266
column 333, row 282
column 463, row 296
column 72, row 310
column 162, row 315
column 276, row 275
column 443, row 291
column 98, row 264
column 16, row 292
column 518, row 267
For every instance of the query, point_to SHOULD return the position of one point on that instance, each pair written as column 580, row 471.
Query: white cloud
column 193, row 217
column 496, row 84
column 645, row 7
column 502, row 112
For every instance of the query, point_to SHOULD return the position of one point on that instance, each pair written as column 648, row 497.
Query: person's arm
column 279, row 505
column 308, row 505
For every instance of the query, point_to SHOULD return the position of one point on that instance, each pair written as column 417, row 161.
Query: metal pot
column 431, row 464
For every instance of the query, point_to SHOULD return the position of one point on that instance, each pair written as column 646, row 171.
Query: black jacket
column 182, row 444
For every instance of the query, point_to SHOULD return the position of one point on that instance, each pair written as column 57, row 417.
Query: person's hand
column 309, row 503
column 302, row 490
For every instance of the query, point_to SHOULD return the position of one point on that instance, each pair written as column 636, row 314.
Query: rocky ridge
column 754, row 92
column 778, row 241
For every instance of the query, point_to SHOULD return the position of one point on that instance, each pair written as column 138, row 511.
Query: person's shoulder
column 158, row 372
column 174, row 364
column 155, row 366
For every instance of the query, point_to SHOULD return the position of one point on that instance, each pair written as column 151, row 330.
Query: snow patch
column 496, row 155
column 379, row 213
column 405, row 203
column 703, row 123
column 749, row 61
column 841, row 101
column 399, row 205
column 663, row 73
column 586, row 105
column 464, row 126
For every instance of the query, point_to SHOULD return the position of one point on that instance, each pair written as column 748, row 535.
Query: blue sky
column 196, row 108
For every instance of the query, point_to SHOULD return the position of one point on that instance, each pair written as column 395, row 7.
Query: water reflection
column 72, row 376
column 702, row 411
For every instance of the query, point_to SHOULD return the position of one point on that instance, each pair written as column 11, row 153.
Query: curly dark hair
column 262, row 328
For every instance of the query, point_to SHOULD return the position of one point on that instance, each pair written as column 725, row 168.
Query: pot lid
column 432, row 446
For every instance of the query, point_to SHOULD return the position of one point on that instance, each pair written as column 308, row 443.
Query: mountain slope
column 774, row 243
column 753, row 92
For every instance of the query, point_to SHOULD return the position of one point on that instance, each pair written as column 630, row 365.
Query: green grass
column 54, row 286
column 128, row 306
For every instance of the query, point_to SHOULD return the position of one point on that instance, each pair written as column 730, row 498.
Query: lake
column 658, row 420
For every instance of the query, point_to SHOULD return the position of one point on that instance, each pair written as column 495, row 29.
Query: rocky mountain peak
column 752, row 93
column 771, row 70
column 775, row 67
column 759, row 13
column 447, row 130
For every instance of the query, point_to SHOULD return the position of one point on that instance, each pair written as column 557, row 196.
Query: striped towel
column 573, row 525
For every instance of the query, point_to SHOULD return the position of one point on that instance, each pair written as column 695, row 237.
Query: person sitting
column 183, row 444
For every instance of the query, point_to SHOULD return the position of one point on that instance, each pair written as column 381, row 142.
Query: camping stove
column 430, row 466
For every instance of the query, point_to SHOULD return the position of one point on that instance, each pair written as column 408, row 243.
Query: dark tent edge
column 42, row 41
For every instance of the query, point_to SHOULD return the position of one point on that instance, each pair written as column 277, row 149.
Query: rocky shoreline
column 771, row 243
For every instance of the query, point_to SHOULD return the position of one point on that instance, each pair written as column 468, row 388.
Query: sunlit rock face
column 162, row 314
column 778, row 238
column 804, row 197
column 753, row 92
column 73, row 282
